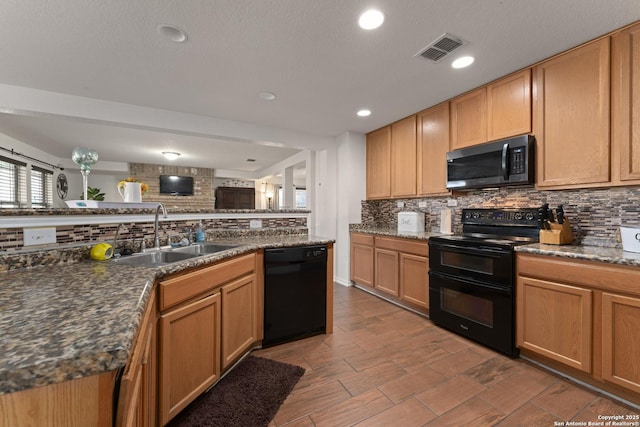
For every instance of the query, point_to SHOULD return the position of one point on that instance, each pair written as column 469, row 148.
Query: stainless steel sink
column 203, row 248
column 154, row 258
column 168, row 256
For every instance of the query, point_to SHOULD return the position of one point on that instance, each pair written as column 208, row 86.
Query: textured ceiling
column 310, row 53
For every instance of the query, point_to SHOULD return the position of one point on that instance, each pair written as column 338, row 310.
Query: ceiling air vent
column 441, row 47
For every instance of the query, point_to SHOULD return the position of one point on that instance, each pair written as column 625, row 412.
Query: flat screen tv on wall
column 176, row 185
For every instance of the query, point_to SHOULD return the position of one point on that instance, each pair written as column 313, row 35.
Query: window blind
column 13, row 183
column 41, row 187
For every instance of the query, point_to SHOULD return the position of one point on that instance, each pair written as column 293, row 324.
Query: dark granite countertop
column 586, row 253
column 391, row 232
column 63, row 322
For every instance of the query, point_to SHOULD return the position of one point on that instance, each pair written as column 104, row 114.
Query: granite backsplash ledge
column 594, row 214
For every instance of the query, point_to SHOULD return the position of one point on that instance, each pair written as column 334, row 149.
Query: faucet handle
column 142, row 245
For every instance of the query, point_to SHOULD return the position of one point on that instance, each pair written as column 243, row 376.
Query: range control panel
column 501, row 217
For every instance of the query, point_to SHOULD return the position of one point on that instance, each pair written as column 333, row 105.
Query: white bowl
column 630, row 238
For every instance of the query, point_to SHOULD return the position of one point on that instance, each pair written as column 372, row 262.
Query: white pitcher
column 132, row 192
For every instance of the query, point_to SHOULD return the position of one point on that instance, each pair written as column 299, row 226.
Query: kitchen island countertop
column 69, row 321
column 585, row 253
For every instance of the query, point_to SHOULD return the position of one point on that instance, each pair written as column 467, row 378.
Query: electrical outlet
column 422, row 204
column 255, row 223
column 452, row 203
column 39, row 236
column 400, row 204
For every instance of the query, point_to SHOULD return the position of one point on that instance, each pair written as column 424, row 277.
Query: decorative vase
column 131, row 192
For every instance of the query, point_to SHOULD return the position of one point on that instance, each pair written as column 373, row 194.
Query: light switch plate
column 255, row 223
column 452, row 203
column 400, row 204
column 422, row 204
column 39, row 236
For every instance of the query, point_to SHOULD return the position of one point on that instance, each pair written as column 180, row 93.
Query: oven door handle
column 469, row 281
column 481, row 250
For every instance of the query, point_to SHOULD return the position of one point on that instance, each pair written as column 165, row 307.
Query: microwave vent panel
column 441, row 47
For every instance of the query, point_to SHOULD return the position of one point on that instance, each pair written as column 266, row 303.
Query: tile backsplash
column 595, row 214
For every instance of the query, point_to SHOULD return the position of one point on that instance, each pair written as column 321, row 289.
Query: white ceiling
column 310, row 53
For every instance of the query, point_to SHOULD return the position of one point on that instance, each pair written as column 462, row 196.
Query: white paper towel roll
column 445, row 221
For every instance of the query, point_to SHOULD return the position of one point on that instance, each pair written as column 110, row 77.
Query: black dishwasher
column 295, row 293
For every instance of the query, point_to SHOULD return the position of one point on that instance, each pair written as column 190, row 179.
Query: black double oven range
column 472, row 277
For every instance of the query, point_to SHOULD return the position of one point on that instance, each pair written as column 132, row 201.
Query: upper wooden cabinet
column 433, row 144
column 391, row 160
column 625, row 108
column 498, row 110
column 469, row 119
column 571, row 117
column 509, row 106
column 235, row 198
column 378, row 163
column 403, row 158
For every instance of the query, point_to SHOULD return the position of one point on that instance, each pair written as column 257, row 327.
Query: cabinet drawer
column 362, row 239
column 402, row 245
column 184, row 287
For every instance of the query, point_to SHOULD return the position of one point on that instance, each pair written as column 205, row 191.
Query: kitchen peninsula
column 72, row 326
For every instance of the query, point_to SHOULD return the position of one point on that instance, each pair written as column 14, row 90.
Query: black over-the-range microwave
column 495, row 164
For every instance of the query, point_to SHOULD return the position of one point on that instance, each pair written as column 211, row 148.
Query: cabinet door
column 190, row 354
column 362, row 264
column 620, row 344
column 403, row 157
column 469, row 119
column 238, row 318
column 554, row 320
column 386, row 266
column 571, row 118
column 414, row 279
column 625, row 108
column 433, row 145
column 509, row 106
column 379, row 163
column 137, row 399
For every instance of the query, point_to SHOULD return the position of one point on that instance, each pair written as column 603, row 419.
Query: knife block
column 560, row 234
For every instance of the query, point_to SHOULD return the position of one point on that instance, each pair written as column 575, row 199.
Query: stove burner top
column 498, row 227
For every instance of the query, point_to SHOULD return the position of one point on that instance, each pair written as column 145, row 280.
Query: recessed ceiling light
column 371, row 19
column 364, row 113
column 172, row 32
column 462, row 62
column 170, row 155
column 267, row 96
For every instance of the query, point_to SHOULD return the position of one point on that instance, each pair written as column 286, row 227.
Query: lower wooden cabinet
column 362, row 254
column 386, row 268
column 413, row 271
column 393, row 267
column 238, row 318
column 583, row 317
column 189, row 353
column 554, row 320
column 620, row 340
column 137, row 397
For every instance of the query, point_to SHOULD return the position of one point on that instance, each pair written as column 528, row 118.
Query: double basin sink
column 167, row 255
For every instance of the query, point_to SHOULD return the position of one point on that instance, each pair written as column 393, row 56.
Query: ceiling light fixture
column 267, row 96
column 371, row 19
column 172, row 32
column 463, row 62
column 364, row 113
column 170, row 155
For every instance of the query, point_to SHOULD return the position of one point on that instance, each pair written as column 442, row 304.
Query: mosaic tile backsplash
column 11, row 239
column 594, row 214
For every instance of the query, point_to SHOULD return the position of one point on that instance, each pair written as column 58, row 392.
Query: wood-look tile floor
column 385, row 366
